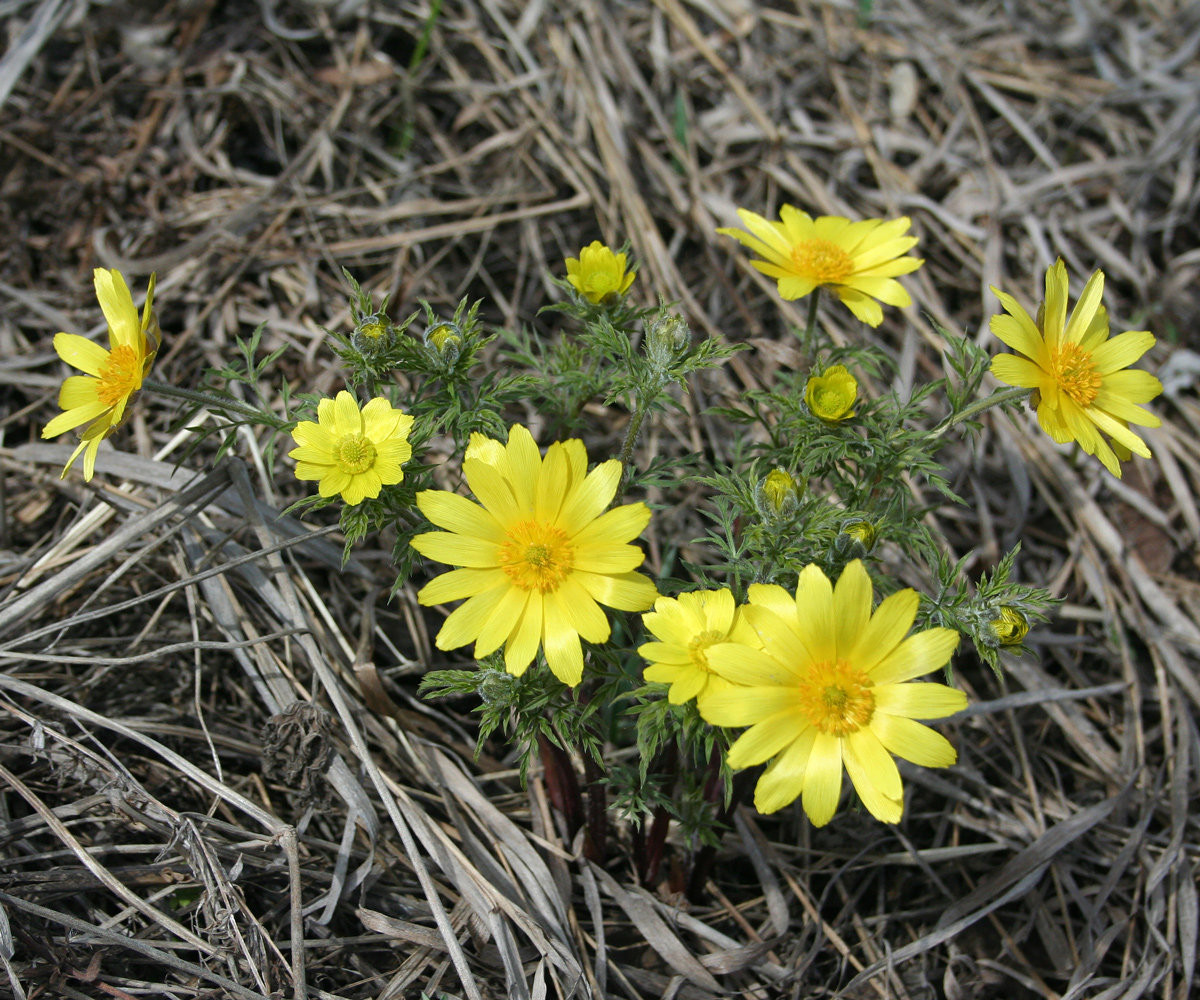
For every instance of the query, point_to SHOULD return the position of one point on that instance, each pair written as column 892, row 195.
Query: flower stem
column 810, row 322
column 631, row 435
column 211, row 401
column 997, row 398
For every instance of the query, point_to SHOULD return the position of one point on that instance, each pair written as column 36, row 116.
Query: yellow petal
column 814, row 612
column 917, row 655
column 852, row 599
column 458, row 514
column 589, row 498
column 766, row 738
column 887, row 627
column 526, row 637
column 783, row 780
column 459, row 583
column 81, row 353
column 124, row 327
column 874, row 775
column 561, row 643
column 919, row 701
column 623, row 591
column 457, row 550
column 465, row 621
column 913, row 741
column 501, row 622
column 823, row 779
column 621, row 524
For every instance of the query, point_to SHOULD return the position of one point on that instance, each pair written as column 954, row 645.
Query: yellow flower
column 687, row 626
column 828, row 688
column 350, row 452
column 831, row 396
column 1009, row 627
column 1077, row 372
column 858, row 260
column 599, row 273
column 112, row 378
column 537, row 553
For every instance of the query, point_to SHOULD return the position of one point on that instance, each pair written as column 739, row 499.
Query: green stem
column 997, row 398
column 810, row 323
column 631, row 436
column 213, row 402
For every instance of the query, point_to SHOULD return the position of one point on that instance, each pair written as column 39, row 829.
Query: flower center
column 1075, row 372
column 837, row 698
column 120, row 376
column 600, row 283
column 822, row 261
column 697, row 647
column 537, row 556
column 355, row 454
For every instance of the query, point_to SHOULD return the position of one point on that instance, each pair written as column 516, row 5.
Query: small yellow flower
column 831, row 396
column 352, row 452
column 538, row 554
column 858, row 260
column 1009, row 627
column 113, row 377
column 599, row 273
column 1077, row 372
column 687, row 626
column 828, row 688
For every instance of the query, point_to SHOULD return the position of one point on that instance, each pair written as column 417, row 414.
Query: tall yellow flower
column 1076, row 371
column 827, row 689
column 599, row 273
column 686, row 627
column 98, row 398
column 858, row 260
column 352, row 452
column 538, row 555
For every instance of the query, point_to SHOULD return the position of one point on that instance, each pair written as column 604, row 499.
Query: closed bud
column 831, row 396
column 1009, row 626
column 667, row 337
column 777, row 494
column 371, row 333
column 860, row 532
column 444, row 341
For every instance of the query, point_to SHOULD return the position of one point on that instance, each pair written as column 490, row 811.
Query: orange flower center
column 697, row 647
column 537, row 556
column 837, row 698
column 1075, row 372
column 120, row 376
column 355, row 454
column 822, row 261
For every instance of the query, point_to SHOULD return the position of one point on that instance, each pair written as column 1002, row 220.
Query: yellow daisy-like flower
column 112, row 378
column 352, row 452
column 538, row 554
column 827, row 689
column 599, row 273
column 831, row 396
column 1077, row 372
column 687, row 626
column 858, row 260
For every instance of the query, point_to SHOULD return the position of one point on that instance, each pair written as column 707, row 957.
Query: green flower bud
column 1009, row 627
column 831, row 396
column 860, row 532
column 371, row 333
column 777, row 494
column 444, row 341
column 667, row 337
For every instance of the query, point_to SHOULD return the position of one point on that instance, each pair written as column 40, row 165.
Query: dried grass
column 150, row 630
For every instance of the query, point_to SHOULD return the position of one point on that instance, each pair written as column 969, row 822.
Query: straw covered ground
column 218, row 780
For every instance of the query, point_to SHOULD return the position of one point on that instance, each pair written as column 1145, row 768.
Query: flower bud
column 667, row 337
column 831, row 396
column 444, row 341
column 371, row 333
column 859, row 532
column 777, row 494
column 1009, row 627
